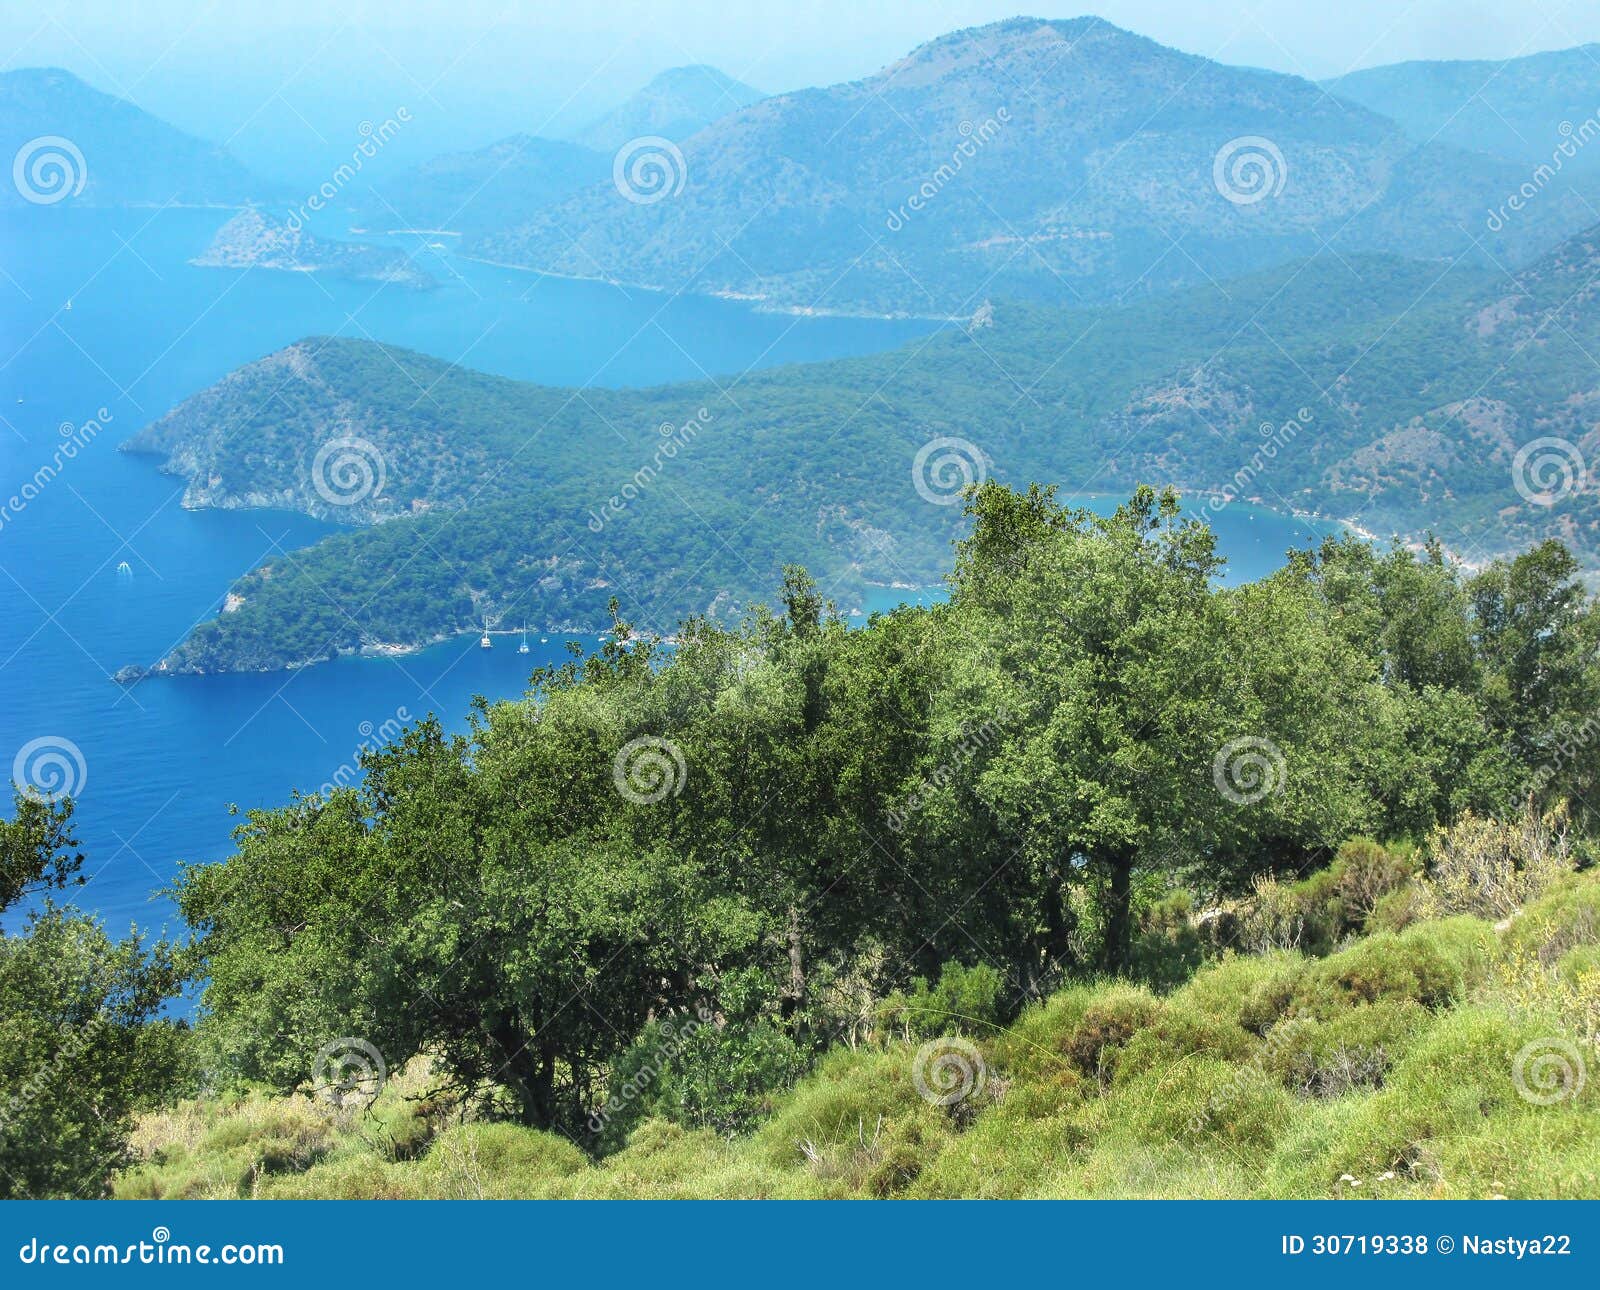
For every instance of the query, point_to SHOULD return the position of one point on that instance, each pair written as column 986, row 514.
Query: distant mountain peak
column 118, row 155
column 675, row 104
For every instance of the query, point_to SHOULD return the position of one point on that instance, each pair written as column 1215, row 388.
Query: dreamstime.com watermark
column 1274, row 439
column 648, row 770
column 372, row 738
column 948, row 1070
column 973, row 139
column 674, row 1039
column 945, row 468
column 74, row 439
column 649, row 169
column 50, row 766
column 1548, row 1071
column 1248, row 769
column 1547, row 469
column 160, row 1249
column 673, row 440
column 348, row 1072
column 347, row 471
column 1573, row 140
column 974, row 738
column 48, row 170
column 59, row 1066
column 1249, row 169
column 373, row 139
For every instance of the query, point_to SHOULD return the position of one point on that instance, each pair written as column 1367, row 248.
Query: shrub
column 1400, row 909
column 1488, row 869
column 1250, row 992
column 1167, row 948
column 1353, row 1049
column 1432, row 964
column 1365, row 874
column 698, row 1074
column 1273, row 919
column 1107, row 1026
column 1567, row 917
column 965, row 1001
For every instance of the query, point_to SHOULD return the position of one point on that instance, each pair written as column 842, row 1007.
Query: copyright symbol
column 1445, row 1244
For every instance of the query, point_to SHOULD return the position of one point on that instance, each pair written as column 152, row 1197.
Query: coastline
column 759, row 304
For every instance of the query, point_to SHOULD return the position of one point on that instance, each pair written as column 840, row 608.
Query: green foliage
column 700, row 1075
column 1168, row 947
column 82, row 1043
column 1097, row 1090
column 966, row 1001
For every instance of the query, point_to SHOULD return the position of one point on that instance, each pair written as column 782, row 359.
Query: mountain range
column 1157, row 269
column 1518, row 109
column 1066, row 160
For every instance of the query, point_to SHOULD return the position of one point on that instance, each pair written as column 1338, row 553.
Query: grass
column 1389, row 1067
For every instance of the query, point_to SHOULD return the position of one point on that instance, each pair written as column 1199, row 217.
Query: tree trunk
column 529, row 1074
column 795, row 994
column 1119, row 917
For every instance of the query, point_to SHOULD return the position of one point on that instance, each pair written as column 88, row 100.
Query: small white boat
column 523, row 648
column 484, row 642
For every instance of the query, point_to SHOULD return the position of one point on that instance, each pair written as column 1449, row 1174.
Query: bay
column 104, row 326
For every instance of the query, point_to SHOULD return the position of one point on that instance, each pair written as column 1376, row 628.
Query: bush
column 1249, row 992
column 1107, row 1026
column 1432, row 964
column 1565, row 918
column 1366, row 874
column 1168, row 948
column 1400, row 909
column 698, row 1074
column 965, row 1001
column 1353, row 1049
column 1489, row 869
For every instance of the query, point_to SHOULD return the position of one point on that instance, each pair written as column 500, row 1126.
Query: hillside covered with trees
column 1099, row 879
column 1419, row 400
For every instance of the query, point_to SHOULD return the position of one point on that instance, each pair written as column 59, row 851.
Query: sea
column 104, row 326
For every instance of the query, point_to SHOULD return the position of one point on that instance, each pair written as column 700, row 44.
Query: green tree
column 83, row 1044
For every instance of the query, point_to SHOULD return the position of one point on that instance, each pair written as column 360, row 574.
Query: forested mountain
column 679, row 102
column 1059, row 160
column 1412, row 398
column 1520, row 109
column 68, row 138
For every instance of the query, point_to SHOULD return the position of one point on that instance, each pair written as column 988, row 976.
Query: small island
column 254, row 240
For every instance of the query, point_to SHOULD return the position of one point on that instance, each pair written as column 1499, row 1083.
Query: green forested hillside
column 69, row 140
column 1098, row 879
column 1384, row 390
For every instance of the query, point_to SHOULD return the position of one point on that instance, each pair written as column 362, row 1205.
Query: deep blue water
column 161, row 761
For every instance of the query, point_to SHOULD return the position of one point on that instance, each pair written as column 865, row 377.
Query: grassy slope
column 1385, row 1069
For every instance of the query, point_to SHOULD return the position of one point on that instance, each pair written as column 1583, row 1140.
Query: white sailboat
column 485, row 642
column 523, row 648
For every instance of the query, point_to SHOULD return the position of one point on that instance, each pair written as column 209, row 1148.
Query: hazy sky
column 292, row 78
